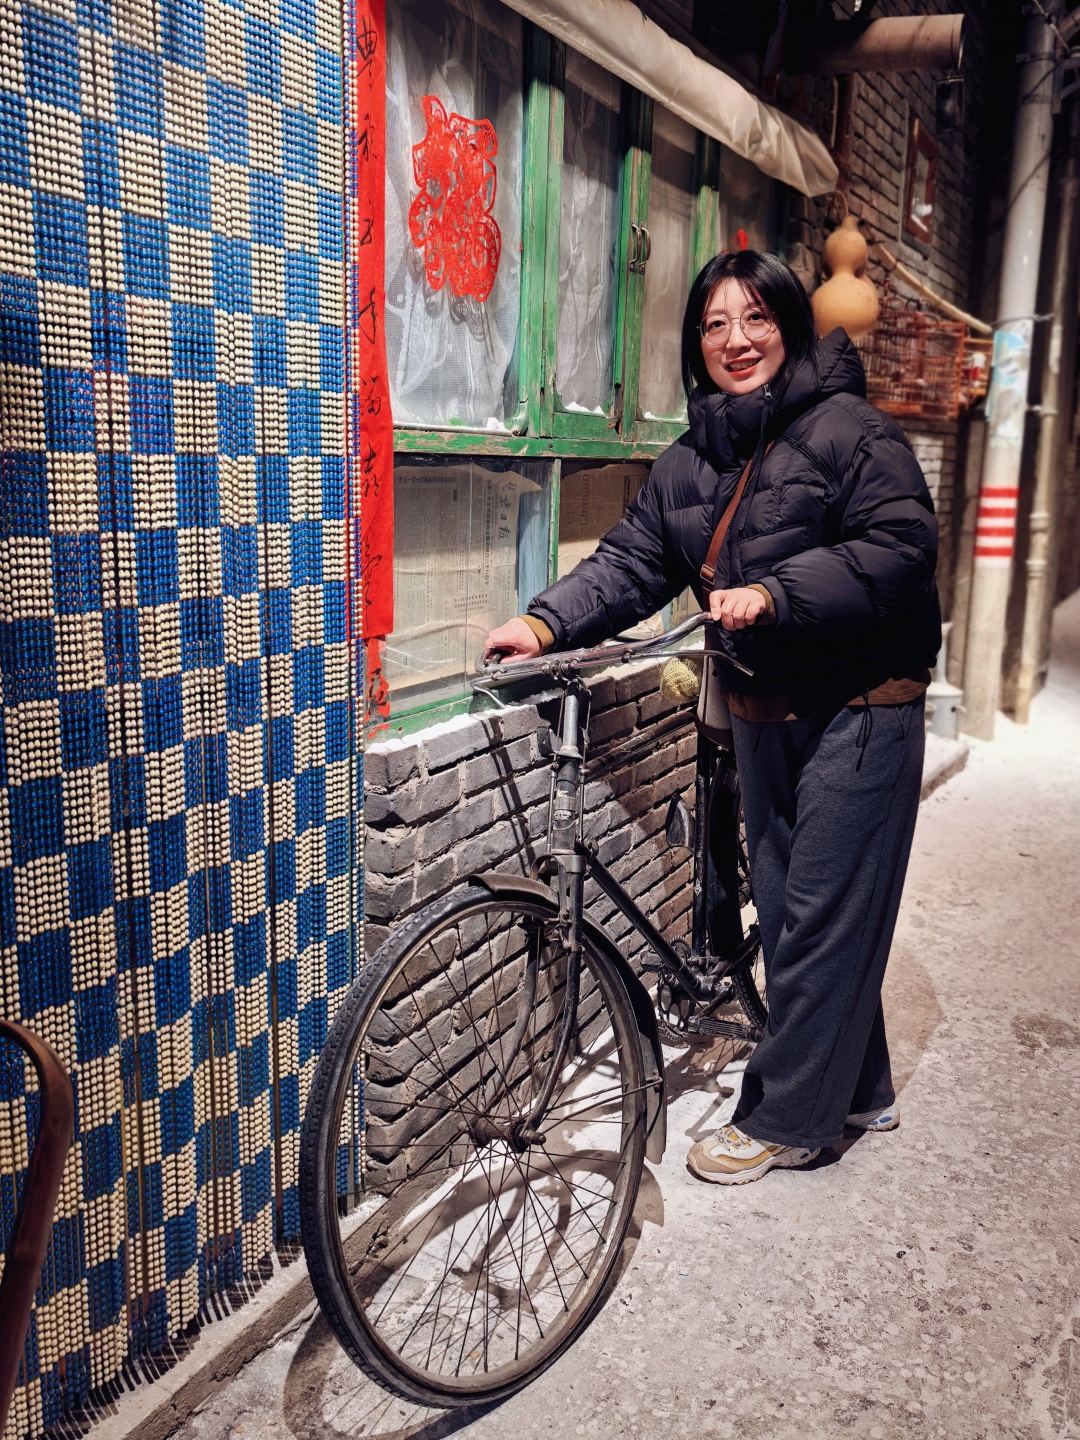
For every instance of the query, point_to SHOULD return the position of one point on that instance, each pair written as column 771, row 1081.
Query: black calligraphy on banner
column 370, row 437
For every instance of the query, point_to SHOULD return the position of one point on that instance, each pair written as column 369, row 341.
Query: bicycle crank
column 675, row 1006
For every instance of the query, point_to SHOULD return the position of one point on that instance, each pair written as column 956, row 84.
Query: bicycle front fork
column 564, row 833
column 564, row 826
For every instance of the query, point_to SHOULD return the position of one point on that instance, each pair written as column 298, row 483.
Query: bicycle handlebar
column 563, row 665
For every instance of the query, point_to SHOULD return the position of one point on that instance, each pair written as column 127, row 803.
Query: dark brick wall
column 961, row 251
column 472, row 795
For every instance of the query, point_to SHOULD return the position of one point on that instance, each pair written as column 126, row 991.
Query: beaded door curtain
column 178, row 787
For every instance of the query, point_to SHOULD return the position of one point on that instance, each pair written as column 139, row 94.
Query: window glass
column 667, row 274
column 749, row 201
column 592, row 498
column 469, row 540
column 588, row 236
column 453, row 210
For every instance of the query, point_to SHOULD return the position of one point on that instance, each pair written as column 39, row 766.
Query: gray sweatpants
column 830, row 805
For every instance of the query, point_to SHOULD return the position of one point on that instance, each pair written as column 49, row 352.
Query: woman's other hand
column 735, row 609
column 514, row 641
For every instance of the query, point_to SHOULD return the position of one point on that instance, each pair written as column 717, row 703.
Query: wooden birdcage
column 914, row 362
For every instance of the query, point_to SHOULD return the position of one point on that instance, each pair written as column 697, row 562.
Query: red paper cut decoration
column 450, row 220
column 742, row 240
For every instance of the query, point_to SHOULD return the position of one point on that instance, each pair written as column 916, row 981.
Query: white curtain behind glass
column 588, row 236
column 749, row 201
column 667, row 275
column 452, row 359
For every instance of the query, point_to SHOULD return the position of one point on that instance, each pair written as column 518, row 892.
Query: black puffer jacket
column 837, row 523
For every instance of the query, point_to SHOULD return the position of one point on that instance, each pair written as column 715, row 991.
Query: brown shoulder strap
column 708, row 570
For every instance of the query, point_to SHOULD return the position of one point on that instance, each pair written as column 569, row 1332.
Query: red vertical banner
column 370, row 438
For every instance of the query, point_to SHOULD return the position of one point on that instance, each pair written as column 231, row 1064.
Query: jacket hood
column 727, row 428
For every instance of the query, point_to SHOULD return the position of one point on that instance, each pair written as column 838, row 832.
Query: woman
column 824, row 588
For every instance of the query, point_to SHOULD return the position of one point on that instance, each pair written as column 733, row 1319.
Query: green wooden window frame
column 538, row 426
column 539, row 429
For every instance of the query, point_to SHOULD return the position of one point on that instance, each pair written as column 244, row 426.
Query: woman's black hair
column 768, row 280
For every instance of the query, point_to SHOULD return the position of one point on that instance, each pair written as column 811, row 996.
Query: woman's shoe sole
column 778, row 1162
column 874, row 1125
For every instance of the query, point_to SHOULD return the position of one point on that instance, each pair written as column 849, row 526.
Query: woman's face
column 738, row 364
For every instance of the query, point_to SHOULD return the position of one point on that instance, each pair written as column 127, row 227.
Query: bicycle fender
column 501, row 883
column 652, row 1056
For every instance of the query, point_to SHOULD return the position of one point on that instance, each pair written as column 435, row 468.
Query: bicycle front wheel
column 456, row 1240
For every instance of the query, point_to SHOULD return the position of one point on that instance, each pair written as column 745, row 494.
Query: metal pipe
column 1045, row 502
column 995, row 530
column 33, row 1223
column 965, row 547
column 923, row 42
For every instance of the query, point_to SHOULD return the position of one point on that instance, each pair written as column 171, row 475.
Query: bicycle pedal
column 730, row 1029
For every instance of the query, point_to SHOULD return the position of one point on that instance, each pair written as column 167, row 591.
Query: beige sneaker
column 734, row 1158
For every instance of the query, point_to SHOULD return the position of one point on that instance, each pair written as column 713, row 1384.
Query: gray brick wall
column 472, row 795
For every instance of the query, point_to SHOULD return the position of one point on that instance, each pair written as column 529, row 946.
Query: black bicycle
column 494, row 1081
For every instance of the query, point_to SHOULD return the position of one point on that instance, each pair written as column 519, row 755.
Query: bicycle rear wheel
column 456, row 1251
column 749, row 980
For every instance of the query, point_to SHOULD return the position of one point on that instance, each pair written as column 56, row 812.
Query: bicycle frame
column 718, row 943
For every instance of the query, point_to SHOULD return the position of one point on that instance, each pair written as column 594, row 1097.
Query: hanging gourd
column 847, row 297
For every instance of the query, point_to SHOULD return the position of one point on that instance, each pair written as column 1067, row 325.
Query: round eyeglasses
column 755, row 323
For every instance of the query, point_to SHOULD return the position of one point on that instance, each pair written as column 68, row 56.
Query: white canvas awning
column 619, row 37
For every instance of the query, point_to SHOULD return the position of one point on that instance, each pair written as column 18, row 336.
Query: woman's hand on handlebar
column 735, row 609
column 513, row 641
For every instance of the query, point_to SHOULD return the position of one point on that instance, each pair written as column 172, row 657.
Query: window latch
column 635, row 247
column 641, row 249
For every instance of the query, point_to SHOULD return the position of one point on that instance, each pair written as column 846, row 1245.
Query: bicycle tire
column 749, row 981
column 434, row 1128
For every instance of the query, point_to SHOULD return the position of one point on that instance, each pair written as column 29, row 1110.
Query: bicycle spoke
column 495, row 971
column 521, row 1288
column 583, row 1208
column 385, row 1015
column 619, row 1094
column 467, row 1004
column 554, row 1268
column 447, row 1270
column 408, row 1236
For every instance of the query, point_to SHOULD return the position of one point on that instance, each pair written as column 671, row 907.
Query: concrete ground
column 919, row 1283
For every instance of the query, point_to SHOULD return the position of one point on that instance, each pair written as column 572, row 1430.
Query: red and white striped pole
column 995, row 523
column 1006, row 406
